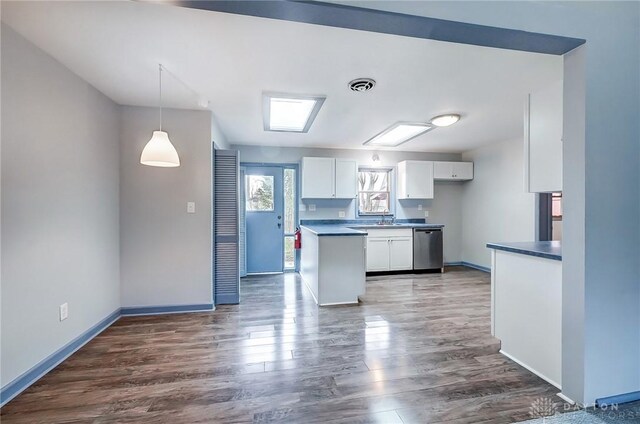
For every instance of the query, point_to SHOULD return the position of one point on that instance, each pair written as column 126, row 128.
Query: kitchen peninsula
column 526, row 305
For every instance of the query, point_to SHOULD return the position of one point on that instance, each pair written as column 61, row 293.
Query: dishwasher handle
column 426, row 230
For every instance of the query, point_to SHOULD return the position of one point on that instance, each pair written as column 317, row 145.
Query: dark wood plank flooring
column 416, row 350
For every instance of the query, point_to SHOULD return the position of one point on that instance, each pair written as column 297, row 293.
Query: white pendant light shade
column 159, row 151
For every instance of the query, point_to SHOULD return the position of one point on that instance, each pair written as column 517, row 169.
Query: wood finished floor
column 416, row 350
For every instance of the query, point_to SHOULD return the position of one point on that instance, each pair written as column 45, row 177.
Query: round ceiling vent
column 362, row 84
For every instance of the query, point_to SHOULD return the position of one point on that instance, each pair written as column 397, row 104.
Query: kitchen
column 337, row 213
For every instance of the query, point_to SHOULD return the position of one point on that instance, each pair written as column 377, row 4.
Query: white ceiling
column 232, row 59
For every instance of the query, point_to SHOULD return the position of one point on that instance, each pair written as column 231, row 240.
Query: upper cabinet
column 453, row 171
column 346, row 179
column 543, row 140
column 329, row 178
column 415, row 179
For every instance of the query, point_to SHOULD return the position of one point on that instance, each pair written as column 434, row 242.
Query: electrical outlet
column 312, row 208
column 419, row 207
column 341, row 214
column 426, row 214
column 191, row 207
column 64, row 311
column 302, row 207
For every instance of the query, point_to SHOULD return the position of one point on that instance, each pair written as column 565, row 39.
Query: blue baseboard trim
column 166, row 309
column 618, row 399
column 25, row 380
column 478, row 267
column 21, row 383
column 227, row 299
column 469, row 265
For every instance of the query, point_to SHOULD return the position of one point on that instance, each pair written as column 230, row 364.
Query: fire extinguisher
column 297, row 239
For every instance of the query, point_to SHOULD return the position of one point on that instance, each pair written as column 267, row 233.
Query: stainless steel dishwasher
column 427, row 249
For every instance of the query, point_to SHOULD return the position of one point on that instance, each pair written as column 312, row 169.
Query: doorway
column 270, row 199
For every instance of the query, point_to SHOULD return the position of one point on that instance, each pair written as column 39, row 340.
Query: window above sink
column 374, row 191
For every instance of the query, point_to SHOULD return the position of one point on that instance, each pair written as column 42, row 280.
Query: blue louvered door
column 226, row 257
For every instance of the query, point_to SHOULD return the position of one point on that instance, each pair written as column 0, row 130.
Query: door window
column 259, row 193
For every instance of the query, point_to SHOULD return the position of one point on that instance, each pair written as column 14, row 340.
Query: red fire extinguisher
column 297, row 239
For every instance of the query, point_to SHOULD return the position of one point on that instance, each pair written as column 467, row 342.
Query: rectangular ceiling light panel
column 398, row 133
column 290, row 113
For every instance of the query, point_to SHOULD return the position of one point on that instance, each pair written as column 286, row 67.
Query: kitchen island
column 526, row 305
column 333, row 262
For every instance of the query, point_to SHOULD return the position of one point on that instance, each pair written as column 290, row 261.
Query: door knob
column 279, row 225
column 279, row 217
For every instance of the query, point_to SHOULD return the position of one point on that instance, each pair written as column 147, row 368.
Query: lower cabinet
column 401, row 253
column 389, row 250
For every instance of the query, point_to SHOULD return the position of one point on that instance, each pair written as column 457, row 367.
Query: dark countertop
column 542, row 249
column 357, row 227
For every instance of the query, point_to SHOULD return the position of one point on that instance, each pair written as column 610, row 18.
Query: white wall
column 445, row 208
column 165, row 252
column 495, row 206
column 59, row 205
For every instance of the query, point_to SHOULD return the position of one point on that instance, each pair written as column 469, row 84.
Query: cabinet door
column 401, row 253
column 442, row 170
column 346, row 179
column 462, row 170
column 415, row 180
column 543, row 140
column 318, row 178
column 377, row 254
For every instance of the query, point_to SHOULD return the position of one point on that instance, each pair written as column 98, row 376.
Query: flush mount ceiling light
column 159, row 151
column 445, row 120
column 290, row 113
column 399, row 133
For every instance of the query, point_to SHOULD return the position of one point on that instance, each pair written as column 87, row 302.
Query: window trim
column 390, row 194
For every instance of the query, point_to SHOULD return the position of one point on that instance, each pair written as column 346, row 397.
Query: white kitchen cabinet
column 389, row 249
column 346, row 179
column 543, row 140
column 377, row 254
column 329, row 178
column 401, row 253
column 453, row 171
column 415, row 179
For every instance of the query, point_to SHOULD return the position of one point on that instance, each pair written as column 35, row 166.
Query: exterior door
column 264, row 203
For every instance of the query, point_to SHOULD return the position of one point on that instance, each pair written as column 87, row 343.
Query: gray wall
column 445, row 208
column 165, row 252
column 601, row 181
column 59, row 205
column 495, row 205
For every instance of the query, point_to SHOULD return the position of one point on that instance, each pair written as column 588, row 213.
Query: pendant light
column 159, row 151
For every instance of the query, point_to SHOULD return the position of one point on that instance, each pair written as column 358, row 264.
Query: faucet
column 382, row 218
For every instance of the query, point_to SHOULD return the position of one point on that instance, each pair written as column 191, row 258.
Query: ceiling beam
column 341, row 16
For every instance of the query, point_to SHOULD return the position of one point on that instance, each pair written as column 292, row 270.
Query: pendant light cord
column 160, row 91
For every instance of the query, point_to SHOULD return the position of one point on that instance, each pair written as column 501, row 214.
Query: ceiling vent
column 362, row 84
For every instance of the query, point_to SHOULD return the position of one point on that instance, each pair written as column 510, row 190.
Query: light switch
column 191, row 207
column 302, row 207
column 426, row 214
column 312, row 208
column 341, row 214
column 419, row 207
